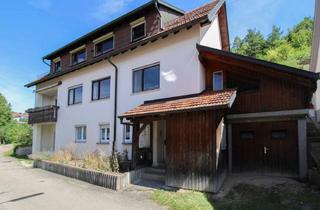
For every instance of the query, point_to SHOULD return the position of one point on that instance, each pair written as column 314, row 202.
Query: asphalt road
column 35, row 189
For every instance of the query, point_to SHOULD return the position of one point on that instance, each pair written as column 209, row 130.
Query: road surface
column 35, row 189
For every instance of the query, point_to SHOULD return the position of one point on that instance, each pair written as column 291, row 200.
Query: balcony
column 44, row 114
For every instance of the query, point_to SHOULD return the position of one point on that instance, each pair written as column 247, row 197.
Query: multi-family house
column 161, row 84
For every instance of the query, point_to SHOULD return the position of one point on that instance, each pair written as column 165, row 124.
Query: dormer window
column 104, row 44
column 138, row 29
column 57, row 65
column 78, row 55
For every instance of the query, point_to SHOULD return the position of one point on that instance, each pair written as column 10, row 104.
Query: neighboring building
column 315, row 59
column 20, row 117
column 161, row 84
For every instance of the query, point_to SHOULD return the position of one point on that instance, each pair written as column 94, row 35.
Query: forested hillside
column 292, row 48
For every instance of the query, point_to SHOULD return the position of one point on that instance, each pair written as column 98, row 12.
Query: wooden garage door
column 267, row 148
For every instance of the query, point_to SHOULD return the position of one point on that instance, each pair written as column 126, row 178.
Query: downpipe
column 115, row 105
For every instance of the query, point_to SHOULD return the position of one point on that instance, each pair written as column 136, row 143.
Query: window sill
column 80, row 142
column 103, row 143
column 138, row 39
column 74, row 64
column 71, row 105
column 145, row 92
column 97, row 55
column 103, row 99
column 126, row 143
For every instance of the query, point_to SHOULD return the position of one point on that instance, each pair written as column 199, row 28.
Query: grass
column 243, row 197
column 184, row 200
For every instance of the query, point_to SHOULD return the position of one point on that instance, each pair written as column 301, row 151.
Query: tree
column 252, row 45
column 292, row 49
column 18, row 134
column 5, row 111
column 275, row 37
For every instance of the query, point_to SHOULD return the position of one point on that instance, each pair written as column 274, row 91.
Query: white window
column 127, row 134
column 138, row 29
column 218, row 80
column 57, row 64
column 104, row 44
column 81, row 133
column 104, row 133
column 78, row 55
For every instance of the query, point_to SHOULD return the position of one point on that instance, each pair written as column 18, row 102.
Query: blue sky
column 31, row 29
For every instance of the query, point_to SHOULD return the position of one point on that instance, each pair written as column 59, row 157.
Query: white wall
column 89, row 113
column 210, row 36
column 180, row 74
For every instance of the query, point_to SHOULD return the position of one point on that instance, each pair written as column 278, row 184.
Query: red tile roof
column 19, row 115
column 192, row 15
column 206, row 100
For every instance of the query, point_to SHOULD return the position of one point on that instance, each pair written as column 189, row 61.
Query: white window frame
column 222, row 76
column 56, row 60
column 83, row 138
column 75, row 51
column 101, row 39
column 125, row 140
column 106, row 126
column 136, row 23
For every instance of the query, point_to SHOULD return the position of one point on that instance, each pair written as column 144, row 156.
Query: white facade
column 315, row 60
column 181, row 73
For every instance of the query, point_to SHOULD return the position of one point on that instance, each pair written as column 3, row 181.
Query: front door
column 268, row 147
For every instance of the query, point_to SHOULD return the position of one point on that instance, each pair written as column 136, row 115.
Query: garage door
column 267, row 148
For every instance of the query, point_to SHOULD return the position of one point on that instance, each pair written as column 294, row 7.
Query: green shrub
column 17, row 134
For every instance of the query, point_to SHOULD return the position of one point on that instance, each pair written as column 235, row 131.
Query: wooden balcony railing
column 43, row 114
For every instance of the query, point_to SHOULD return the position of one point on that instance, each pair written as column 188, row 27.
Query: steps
column 154, row 174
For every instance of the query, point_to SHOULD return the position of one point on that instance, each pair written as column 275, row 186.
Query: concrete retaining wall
column 108, row 180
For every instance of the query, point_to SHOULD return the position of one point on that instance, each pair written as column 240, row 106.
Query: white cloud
column 108, row 8
column 44, row 5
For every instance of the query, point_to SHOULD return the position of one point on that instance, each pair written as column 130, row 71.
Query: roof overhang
column 114, row 53
column 268, row 116
column 207, row 53
column 204, row 101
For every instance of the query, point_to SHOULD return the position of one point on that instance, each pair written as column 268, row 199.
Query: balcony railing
column 43, row 114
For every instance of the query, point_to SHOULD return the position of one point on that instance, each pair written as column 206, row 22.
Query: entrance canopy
column 203, row 101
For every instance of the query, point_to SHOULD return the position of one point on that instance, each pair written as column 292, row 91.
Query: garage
column 269, row 148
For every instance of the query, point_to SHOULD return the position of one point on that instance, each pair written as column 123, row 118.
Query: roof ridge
column 206, row 7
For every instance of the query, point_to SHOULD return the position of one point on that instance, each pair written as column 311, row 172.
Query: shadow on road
column 22, row 198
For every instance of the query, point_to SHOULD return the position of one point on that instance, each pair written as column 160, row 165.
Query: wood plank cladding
column 274, row 93
column 257, row 149
column 223, row 24
column 122, row 35
column 191, row 150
